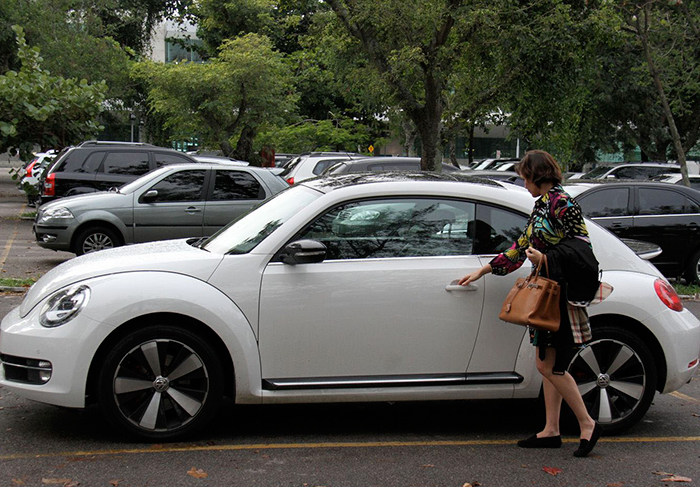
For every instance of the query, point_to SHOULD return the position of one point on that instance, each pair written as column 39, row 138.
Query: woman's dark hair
column 539, row 167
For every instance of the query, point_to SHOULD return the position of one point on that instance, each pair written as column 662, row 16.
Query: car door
column 383, row 307
column 232, row 194
column 173, row 207
column 669, row 219
column 611, row 207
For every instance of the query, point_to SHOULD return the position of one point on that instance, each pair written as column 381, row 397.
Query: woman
column 555, row 219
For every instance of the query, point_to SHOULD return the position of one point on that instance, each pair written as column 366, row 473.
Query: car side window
column 402, row 227
column 166, row 159
column 128, row 163
column 605, row 202
column 92, row 163
column 236, row 185
column 494, row 229
column 325, row 164
column 180, row 186
column 625, row 173
column 660, row 202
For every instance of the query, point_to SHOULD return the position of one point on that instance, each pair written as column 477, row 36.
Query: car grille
column 26, row 370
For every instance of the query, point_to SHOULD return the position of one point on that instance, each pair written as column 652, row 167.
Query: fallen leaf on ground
column 75, row 483
column 676, row 478
column 427, row 465
column 552, row 470
column 197, row 473
column 114, row 483
column 662, row 473
column 696, row 415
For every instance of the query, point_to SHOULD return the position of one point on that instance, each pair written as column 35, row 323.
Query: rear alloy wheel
column 616, row 376
column 161, row 383
column 96, row 238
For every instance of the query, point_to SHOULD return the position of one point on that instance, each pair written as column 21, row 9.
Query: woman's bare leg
column 564, row 387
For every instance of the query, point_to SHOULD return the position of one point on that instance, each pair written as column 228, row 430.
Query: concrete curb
column 8, row 289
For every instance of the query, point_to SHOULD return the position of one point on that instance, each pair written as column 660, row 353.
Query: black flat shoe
column 586, row 446
column 545, row 442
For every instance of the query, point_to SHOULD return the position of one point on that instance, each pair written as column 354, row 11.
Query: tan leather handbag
column 533, row 301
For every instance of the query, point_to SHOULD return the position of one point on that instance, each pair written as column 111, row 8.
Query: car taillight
column 290, row 181
column 49, row 185
column 668, row 295
column 29, row 169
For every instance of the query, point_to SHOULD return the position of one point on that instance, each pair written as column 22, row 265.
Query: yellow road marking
column 680, row 395
column 8, row 245
column 291, row 446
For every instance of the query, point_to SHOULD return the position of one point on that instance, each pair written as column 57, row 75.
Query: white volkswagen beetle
column 337, row 289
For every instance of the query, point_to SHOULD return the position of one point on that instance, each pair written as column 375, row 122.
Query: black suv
column 97, row 166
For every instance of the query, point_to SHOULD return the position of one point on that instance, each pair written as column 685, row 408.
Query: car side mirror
column 150, row 195
column 304, row 252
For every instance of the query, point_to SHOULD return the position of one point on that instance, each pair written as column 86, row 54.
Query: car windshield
column 597, row 172
column 243, row 235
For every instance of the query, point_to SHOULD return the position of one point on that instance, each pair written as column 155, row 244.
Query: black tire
column 692, row 272
column 95, row 238
column 161, row 383
column 617, row 377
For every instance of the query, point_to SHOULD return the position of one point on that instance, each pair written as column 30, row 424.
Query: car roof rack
column 89, row 143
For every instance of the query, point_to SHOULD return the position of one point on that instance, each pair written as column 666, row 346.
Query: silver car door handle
column 192, row 209
column 454, row 287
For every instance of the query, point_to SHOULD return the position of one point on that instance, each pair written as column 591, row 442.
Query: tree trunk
column 471, row 144
column 678, row 145
column 244, row 149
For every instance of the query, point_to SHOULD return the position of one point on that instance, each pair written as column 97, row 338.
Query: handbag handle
column 536, row 270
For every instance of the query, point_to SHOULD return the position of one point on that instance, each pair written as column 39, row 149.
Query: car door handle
column 192, row 210
column 454, row 287
column 619, row 226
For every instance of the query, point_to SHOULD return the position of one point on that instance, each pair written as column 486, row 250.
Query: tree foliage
column 226, row 100
column 38, row 108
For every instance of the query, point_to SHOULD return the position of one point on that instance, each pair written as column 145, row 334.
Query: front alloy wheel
column 616, row 376
column 161, row 383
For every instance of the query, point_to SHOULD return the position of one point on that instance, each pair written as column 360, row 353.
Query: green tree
column 226, row 100
column 38, row 108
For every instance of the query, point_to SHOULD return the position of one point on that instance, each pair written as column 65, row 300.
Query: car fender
column 97, row 217
column 155, row 292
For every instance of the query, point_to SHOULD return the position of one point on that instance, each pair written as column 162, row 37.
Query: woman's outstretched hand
column 474, row 276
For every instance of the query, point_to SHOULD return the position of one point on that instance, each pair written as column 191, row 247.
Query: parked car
column 33, row 172
column 97, row 166
column 337, row 289
column 663, row 214
column 380, row 164
column 641, row 171
column 489, row 164
column 313, row 164
column 219, row 160
column 678, row 179
column 504, row 176
column 175, row 201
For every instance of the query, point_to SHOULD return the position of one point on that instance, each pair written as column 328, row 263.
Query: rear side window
column 163, row 159
column 660, row 202
column 236, row 185
column 325, row 164
column 606, row 202
column 93, row 161
column 126, row 163
column 495, row 229
column 72, row 162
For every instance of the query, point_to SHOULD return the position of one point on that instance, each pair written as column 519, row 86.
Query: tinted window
column 660, row 202
column 399, row 166
column 626, row 173
column 605, row 202
column 165, row 159
column 323, row 165
column 93, row 161
column 181, row 186
column 650, row 172
column 73, row 161
column 395, row 228
column 130, row 163
column 236, row 185
column 495, row 229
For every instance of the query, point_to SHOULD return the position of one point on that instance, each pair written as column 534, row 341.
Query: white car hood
column 170, row 256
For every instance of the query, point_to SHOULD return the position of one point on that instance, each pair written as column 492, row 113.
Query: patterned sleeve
column 568, row 212
column 510, row 260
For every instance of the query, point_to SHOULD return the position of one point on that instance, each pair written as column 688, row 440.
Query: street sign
column 370, row 148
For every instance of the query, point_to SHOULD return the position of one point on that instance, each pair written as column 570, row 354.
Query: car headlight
column 64, row 305
column 60, row 213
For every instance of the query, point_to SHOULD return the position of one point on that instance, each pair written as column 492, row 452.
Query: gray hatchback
column 177, row 201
